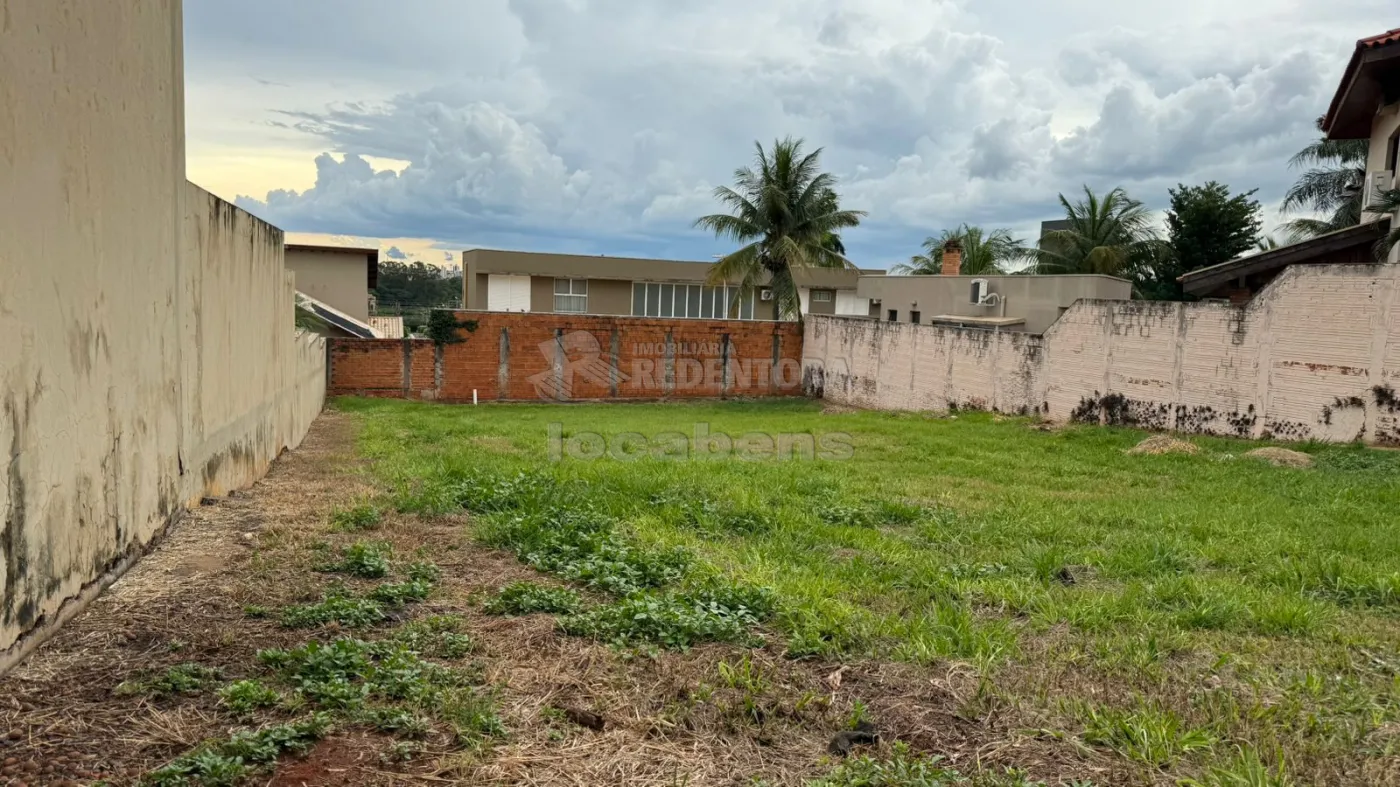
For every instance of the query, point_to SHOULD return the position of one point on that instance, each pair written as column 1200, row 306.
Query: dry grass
column 1159, row 444
column 1282, row 457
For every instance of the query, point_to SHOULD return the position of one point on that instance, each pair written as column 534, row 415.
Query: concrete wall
column 252, row 383
column 1315, row 356
column 1040, row 300
column 340, row 279
column 530, row 357
column 135, row 371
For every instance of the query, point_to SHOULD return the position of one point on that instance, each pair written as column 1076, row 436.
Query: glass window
column 653, row 300
column 746, row 306
column 894, row 315
column 692, row 296
column 639, row 300
column 821, row 296
column 668, row 300
column 915, row 317
column 571, row 296
column 707, row 302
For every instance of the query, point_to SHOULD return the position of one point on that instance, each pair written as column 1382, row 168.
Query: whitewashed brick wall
column 1314, row 356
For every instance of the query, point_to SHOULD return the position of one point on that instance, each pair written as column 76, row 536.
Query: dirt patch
column 336, row 762
column 1163, row 444
column 1282, row 457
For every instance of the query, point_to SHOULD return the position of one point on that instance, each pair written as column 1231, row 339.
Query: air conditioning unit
column 1377, row 185
column 765, row 295
column 980, row 289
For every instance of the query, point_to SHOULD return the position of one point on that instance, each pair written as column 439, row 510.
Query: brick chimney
column 952, row 257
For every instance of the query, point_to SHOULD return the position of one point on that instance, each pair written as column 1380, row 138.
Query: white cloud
column 602, row 125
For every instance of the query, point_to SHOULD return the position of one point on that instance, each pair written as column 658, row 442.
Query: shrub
column 230, row 762
column 526, row 598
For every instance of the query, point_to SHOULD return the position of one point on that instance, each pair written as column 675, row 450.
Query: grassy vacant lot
column 1206, row 617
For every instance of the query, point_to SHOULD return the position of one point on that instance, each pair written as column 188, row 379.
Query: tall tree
column 983, row 253
column 1205, row 226
column 785, row 211
column 1332, row 185
column 1111, row 234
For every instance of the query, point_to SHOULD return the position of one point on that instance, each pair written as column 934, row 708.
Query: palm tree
column 1113, row 235
column 1332, row 186
column 786, row 212
column 1388, row 203
column 983, row 253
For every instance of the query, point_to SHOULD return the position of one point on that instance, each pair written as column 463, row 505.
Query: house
column 1025, row 303
column 1366, row 106
column 341, row 277
column 518, row 281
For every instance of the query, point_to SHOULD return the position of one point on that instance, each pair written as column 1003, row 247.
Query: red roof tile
column 1384, row 39
column 1389, row 37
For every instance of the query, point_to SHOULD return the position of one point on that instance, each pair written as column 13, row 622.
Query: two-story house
column 1366, row 106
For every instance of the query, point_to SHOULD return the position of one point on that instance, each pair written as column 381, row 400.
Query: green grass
column 1220, row 604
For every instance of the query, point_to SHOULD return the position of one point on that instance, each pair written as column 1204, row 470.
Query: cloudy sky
column 602, row 126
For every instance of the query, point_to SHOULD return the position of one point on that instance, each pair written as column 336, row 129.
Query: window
column 822, row 296
column 914, row 317
column 690, row 301
column 1392, row 153
column 571, row 295
column 894, row 315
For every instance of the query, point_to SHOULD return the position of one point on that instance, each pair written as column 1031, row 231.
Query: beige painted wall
column 1040, row 300
column 122, row 368
column 1311, row 357
column 340, row 279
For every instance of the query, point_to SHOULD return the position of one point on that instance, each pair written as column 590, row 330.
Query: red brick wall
column 528, row 357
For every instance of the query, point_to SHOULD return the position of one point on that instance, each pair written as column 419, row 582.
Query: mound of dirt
column 1282, row 457
column 1163, row 444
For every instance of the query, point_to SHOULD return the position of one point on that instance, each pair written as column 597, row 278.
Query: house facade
column 517, row 281
column 1367, row 106
column 1009, row 303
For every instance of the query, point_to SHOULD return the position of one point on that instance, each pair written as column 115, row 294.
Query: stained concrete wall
column 1039, row 300
column 1315, row 356
column 135, row 371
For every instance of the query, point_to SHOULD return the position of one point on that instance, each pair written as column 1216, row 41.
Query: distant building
column 339, row 276
column 518, row 281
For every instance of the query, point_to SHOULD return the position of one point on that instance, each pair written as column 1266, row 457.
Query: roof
column 1361, row 91
column 1313, row 251
column 387, row 327
column 335, row 317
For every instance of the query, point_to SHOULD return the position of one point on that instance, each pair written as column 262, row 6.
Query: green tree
column 416, row 285
column 1389, row 203
column 785, row 211
column 1205, row 226
column 1332, row 185
column 1111, row 234
column 983, row 253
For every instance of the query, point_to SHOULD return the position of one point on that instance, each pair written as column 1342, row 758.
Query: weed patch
column 230, row 762
column 356, row 518
column 243, row 697
column 527, row 598
column 188, row 678
column 668, row 620
column 365, row 559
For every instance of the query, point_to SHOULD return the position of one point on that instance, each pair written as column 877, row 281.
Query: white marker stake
column 473, row 397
